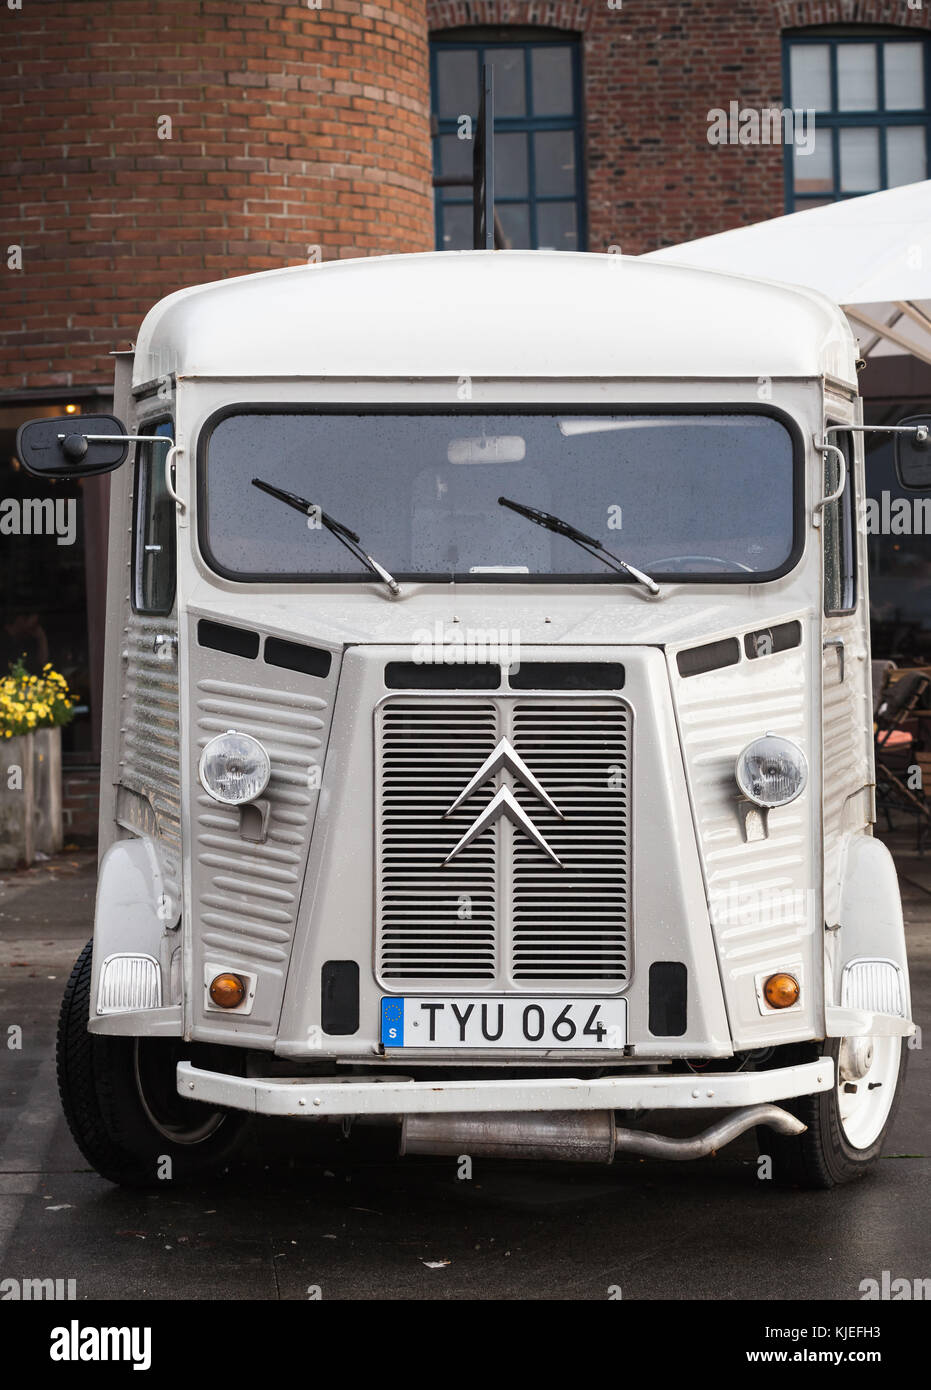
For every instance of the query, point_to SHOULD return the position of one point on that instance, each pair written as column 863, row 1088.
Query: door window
column 154, row 562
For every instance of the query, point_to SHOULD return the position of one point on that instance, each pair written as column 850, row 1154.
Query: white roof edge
column 495, row 314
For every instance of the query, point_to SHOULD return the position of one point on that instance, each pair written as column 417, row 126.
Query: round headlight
column 234, row 768
column 772, row 771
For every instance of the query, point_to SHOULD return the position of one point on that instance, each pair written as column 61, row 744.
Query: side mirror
column 72, row 446
column 913, row 454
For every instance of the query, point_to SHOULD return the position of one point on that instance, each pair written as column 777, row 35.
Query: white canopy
column 871, row 254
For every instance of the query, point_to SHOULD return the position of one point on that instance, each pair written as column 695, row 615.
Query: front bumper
column 310, row 1098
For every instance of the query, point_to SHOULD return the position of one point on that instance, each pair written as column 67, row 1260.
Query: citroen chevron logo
column 504, row 802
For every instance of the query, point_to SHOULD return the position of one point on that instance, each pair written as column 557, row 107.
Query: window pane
column 514, row 219
column 839, row 550
column 814, row 172
column 455, row 157
column 551, row 71
column 556, row 227
column 457, row 227
column 510, row 164
column 810, row 76
column 155, row 545
column 554, row 162
column 457, row 81
column 906, row 160
column 903, row 70
column 510, row 94
column 856, row 77
column 690, row 485
column 859, row 159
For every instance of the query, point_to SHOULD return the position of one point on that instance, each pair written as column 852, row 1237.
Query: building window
column 872, row 124
column 154, row 565
column 539, row 199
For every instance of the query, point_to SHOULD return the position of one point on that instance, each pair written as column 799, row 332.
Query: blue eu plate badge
column 392, row 1022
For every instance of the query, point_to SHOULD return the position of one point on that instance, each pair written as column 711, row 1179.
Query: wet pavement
column 304, row 1213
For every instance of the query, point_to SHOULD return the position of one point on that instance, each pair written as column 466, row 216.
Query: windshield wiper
column 588, row 543
column 342, row 533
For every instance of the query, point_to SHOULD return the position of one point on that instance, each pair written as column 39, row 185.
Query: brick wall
column 651, row 72
column 290, row 127
column 293, row 127
column 80, row 797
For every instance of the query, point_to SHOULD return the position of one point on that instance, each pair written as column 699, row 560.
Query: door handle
column 837, row 642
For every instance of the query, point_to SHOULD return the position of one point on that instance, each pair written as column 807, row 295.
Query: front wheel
column 847, row 1125
column 121, row 1103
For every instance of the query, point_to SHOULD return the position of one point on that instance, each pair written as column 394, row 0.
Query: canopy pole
column 883, row 330
column 483, row 166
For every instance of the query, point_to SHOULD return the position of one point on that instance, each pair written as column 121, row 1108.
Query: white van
column 488, row 735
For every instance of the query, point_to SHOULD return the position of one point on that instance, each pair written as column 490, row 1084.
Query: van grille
column 502, row 913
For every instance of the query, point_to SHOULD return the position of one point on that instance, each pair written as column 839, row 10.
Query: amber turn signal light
column 781, row 991
column 227, row 991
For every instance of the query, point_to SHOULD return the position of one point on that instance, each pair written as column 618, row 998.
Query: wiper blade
column 588, row 543
column 342, row 533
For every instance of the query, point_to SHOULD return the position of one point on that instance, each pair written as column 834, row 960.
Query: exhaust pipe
column 579, row 1136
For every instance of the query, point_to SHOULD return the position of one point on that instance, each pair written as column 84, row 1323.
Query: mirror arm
column 919, row 431
column 114, row 438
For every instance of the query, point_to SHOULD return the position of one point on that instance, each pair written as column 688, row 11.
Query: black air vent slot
column 695, row 661
column 767, row 640
column 430, row 675
column 567, row 675
column 237, row 641
column 297, row 656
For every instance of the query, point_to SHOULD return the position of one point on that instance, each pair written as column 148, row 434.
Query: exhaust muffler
column 579, row 1136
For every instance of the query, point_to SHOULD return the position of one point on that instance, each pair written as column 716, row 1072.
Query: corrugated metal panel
column 150, row 754
column 570, row 921
column 246, row 894
column 435, row 922
column 502, row 911
column 759, row 891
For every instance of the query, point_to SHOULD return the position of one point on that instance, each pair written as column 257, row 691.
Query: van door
column 141, row 770
column 847, row 800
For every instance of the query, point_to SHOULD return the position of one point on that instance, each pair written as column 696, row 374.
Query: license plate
column 550, row 1024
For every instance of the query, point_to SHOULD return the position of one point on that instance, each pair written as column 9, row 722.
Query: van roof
column 453, row 314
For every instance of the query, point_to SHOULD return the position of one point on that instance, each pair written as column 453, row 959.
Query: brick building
column 153, row 144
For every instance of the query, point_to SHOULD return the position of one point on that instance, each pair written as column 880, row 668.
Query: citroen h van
column 487, row 730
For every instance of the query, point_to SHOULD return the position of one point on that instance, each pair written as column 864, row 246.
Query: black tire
column 822, row 1157
column 120, row 1101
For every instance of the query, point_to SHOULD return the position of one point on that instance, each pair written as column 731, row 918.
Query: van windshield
column 681, row 496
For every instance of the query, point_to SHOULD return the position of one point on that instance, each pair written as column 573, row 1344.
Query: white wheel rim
column 864, row 1103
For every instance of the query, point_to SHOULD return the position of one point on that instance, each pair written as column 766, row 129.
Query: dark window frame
column 480, row 40
column 846, row 511
column 789, row 423
column 141, row 493
column 834, row 120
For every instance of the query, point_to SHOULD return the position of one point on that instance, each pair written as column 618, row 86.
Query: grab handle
column 831, row 496
column 169, row 477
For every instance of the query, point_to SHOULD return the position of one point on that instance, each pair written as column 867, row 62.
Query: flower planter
column 46, row 779
column 30, row 797
column 17, row 801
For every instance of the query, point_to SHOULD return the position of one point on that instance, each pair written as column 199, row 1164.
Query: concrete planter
column 30, row 797
column 46, row 778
